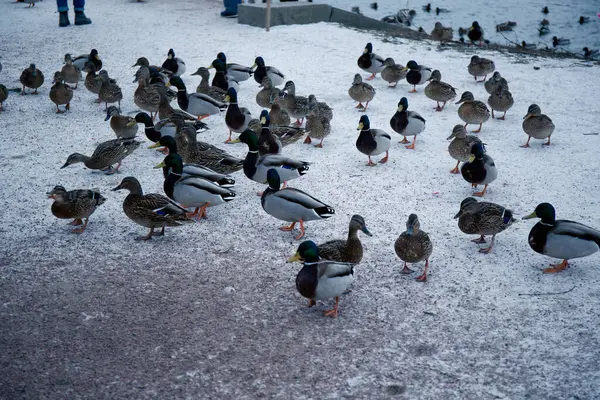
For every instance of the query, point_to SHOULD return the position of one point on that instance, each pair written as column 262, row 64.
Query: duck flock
column 199, row 175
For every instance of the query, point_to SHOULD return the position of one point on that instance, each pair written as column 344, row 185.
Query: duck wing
column 575, row 229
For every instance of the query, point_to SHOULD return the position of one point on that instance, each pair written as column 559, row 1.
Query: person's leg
column 63, row 15
column 62, row 5
column 231, row 7
column 80, row 18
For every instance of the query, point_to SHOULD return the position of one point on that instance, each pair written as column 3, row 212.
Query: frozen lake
column 563, row 17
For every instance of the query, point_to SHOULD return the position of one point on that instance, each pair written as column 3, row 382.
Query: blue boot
column 231, row 8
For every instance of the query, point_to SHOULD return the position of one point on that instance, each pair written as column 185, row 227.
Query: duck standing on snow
column 361, row 92
column 123, row 126
column 197, row 104
column 370, row 62
column 501, row 100
column 480, row 169
column 480, row 67
column 560, row 41
column 318, row 121
column 262, row 70
column 561, row 238
column 407, row 123
column 460, row 147
column 372, row 142
column 441, row 33
column 537, row 125
column 146, row 96
column 78, row 204
column 237, row 72
column 296, row 106
column 349, row 250
column 109, row 91
column 472, row 111
column 483, row 218
column 493, row 82
column 475, row 33
column 60, row 93
column 292, row 205
column 3, row 95
column 106, row 154
column 413, row 246
column 93, row 57
column 212, row 91
column 392, row 73
column 91, row 83
column 221, row 80
column 69, row 72
column 31, row 77
column 268, row 143
column 174, row 64
column 417, row 74
column 279, row 116
column 320, row 279
column 439, row 91
column 236, row 118
column 268, row 93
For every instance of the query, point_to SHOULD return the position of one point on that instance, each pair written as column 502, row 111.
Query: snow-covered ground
column 100, row 315
column 563, row 17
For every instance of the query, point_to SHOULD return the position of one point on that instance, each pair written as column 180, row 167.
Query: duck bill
column 404, row 69
column 236, row 141
column 108, row 117
column 450, row 137
column 410, row 231
column 458, row 214
column 400, row 108
column 161, row 165
column 129, row 124
column 154, row 146
column 116, row 188
column 530, row 216
column 263, row 120
column 366, row 231
column 527, row 116
column 51, row 195
column 65, row 165
column 227, row 99
column 195, row 73
column 471, row 158
column 460, row 101
column 294, row 258
column 210, row 67
column 360, row 127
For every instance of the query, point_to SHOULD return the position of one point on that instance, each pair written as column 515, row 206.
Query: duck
column 296, row 106
column 483, row 218
column 582, row 20
column 361, row 92
column 174, row 64
column 480, row 169
column 439, row 91
column 154, row 131
column 236, row 118
column 256, row 168
column 268, row 143
column 495, row 80
column 413, row 246
column 590, row 53
column 279, row 116
column 3, row 96
column 31, row 77
column 501, row 100
column 560, row 238
column 76, row 204
column 212, row 91
column 537, row 125
column 392, row 73
column 545, row 10
column 560, row 41
column 370, row 62
column 192, row 191
column 262, row 70
column 321, row 279
column 292, row 205
column 407, row 123
column 220, row 79
column 155, row 70
column 146, row 96
column 123, row 126
column 318, row 121
column 106, row 154
column 372, row 142
column 197, row 104
column 236, row 71
column 93, row 57
column 349, row 250
column 284, row 135
column 417, row 74
column 69, row 72
column 472, row 111
column 266, row 96
column 460, row 147
column 60, row 93
column 480, row 66
column 528, row 46
column 441, row 33
column 91, row 83
column 475, row 33
column 151, row 210
column 109, row 92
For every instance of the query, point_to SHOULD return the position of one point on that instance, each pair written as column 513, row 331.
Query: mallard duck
column 501, row 100
column 106, row 154
column 560, row 41
column 319, row 108
column 483, row 218
column 417, row 74
column 439, row 91
column 3, row 96
column 475, row 33
column 31, row 77
column 236, row 71
column 109, row 92
column 60, row 93
column 262, row 70
column 267, row 94
column 93, row 57
column 154, row 132
column 370, row 62
column 407, row 123
column 320, row 279
column 460, row 147
column 156, row 72
column 372, row 142
column 480, row 169
column 236, row 118
column 150, row 210
column 413, row 246
column 561, row 238
column 215, row 92
column 349, row 250
column 220, row 78
column 528, row 46
column 279, row 116
column 76, row 204
column 472, row 111
column 441, row 33
column 174, row 64
column 255, row 167
column 296, row 106
column 91, row 83
column 493, row 82
column 360, row 91
column 146, row 96
column 197, row 104
column 392, row 73
column 69, row 72
column 268, row 143
column 192, row 191
column 292, row 205
column 318, row 121
column 283, row 135
column 480, row 67
column 590, row 53
column 537, row 125
column 123, row 126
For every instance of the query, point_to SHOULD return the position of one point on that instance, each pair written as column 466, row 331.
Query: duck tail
column 225, row 182
column 507, row 217
column 303, row 169
column 229, row 196
column 325, row 212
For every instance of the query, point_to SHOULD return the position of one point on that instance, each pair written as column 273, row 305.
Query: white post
column 268, row 21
